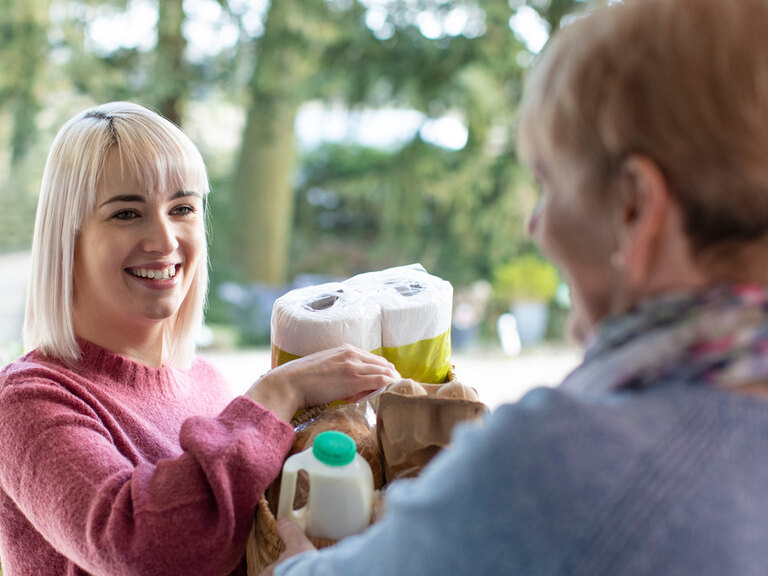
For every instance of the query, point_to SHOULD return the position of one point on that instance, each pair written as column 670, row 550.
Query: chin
column 161, row 312
column 578, row 330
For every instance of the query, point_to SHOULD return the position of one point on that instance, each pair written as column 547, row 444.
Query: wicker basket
column 264, row 544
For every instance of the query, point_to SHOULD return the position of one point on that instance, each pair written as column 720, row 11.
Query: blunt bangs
column 160, row 156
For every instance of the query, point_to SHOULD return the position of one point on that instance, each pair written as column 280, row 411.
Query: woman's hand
column 295, row 540
column 344, row 372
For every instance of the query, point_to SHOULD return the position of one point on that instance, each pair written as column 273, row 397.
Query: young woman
column 121, row 452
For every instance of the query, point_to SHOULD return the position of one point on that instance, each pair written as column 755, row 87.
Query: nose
column 533, row 222
column 160, row 236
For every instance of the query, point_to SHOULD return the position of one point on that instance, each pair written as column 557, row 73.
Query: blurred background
column 341, row 136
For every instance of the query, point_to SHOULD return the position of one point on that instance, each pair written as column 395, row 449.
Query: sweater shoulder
column 204, row 368
column 637, row 418
column 34, row 366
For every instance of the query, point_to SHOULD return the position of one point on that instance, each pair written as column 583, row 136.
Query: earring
column 617, row 260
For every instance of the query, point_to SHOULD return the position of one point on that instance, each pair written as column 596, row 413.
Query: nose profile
column 160, row 236
column 533, row 221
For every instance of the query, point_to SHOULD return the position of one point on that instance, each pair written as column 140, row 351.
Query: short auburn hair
column 683, row 82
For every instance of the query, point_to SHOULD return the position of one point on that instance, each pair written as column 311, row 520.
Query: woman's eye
column 125, row 215
column 184, row 210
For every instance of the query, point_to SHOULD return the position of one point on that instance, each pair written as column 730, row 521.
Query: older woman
column 646, row 126
column 121, row 453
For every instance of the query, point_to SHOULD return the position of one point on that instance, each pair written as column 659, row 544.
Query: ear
column 644, row 207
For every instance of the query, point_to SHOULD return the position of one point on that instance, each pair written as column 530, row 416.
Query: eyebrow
column 143, row 199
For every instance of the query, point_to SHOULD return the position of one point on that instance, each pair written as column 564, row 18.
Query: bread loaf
column 458, row 391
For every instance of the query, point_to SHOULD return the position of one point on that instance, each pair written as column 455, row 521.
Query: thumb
column 295, row 540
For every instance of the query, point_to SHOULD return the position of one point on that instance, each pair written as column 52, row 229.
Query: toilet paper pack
column 402, row 313
column 315, row 318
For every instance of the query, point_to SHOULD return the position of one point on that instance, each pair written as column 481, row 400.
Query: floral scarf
column 718, row 337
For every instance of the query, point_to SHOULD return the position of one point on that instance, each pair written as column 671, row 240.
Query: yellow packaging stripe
column 427, row 361
column 280, row 357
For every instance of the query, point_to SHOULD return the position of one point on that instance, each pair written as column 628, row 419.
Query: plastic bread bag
column 356, row 419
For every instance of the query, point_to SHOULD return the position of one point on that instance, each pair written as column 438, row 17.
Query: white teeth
column 165, row 274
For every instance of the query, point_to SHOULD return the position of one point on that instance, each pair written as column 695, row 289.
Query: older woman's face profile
column 136, row 254
column 574, row 233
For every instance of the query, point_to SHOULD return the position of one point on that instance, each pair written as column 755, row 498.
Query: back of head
column 683, row 82
column 162, row 157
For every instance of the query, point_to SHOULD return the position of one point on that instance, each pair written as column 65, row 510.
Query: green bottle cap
column 334, row 448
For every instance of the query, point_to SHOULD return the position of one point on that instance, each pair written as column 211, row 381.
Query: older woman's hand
column 344, row 372
column 295, row 540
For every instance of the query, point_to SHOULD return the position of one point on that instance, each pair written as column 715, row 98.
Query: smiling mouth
column 154, row 273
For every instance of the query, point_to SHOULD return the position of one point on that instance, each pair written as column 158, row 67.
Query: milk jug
column 340, row 488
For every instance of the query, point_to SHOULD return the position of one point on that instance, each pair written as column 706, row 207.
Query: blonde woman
column 121, row 452
column 645, row 123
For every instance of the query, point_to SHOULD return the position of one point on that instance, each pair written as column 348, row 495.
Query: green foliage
column 526, row 278
column 459, row 212
column 456, row 212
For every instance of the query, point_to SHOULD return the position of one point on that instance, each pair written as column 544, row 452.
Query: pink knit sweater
column 115, row 468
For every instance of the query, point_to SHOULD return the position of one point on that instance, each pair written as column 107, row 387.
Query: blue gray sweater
column 670, row 480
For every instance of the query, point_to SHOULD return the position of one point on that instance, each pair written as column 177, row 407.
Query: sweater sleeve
column 191, row 514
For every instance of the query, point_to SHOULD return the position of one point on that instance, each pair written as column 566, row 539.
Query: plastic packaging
column 340, row 488
column 357, row 420
column 313, row 318
column 402, row 313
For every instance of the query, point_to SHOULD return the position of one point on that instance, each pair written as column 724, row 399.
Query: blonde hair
column 161, row 157
column 683, row 82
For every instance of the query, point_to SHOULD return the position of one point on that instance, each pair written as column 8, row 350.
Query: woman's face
column 574, row 231
column 135, row 256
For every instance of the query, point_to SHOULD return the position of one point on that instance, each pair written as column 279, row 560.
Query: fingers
column 343, row 372
column 368, row 368
column 351, row 374
column 295, row 540
column 374, row 359
column 364, row 363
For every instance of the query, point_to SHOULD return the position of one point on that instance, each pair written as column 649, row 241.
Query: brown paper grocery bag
column 413, row 429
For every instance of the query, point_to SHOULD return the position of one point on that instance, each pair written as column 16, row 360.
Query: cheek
column 577, row 236
column 580, row 244
column 550, row 231
column 194, row 245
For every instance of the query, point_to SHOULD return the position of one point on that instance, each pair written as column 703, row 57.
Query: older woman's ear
column 653, row 247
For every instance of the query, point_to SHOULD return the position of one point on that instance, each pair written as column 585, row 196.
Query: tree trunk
column 170, row 72
column 263, row 189
column 29, row 50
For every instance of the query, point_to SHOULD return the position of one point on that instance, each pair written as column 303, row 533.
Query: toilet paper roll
column 307, row 320
column 416, row 310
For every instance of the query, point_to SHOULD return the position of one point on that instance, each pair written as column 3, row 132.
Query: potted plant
column 528, row 284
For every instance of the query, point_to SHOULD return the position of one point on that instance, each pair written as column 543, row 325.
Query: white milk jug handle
column 288, row 489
